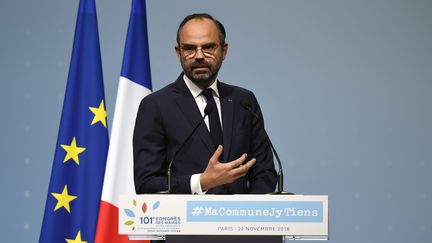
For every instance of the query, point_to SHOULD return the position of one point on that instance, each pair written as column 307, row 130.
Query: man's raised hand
column 218, row 173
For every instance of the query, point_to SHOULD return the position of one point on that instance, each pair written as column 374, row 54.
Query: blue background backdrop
column 345, row 86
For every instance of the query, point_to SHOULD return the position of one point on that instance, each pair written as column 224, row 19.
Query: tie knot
column 208, row 94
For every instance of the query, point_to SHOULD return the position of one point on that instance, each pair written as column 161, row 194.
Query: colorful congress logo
column 135, row 210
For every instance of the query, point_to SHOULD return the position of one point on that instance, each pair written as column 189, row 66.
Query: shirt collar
column 195, row 90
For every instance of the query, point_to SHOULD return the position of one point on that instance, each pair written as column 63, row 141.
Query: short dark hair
column 221, row 28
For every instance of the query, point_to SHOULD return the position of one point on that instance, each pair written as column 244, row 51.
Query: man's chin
column 200, row 77
column 201, row 73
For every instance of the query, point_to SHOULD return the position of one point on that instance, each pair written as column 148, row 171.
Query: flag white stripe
column 119, row 168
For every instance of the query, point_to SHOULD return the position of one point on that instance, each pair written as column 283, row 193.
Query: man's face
column 200, row 51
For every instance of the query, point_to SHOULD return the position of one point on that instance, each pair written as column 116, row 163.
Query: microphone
column 246, row 105
column 207, row 110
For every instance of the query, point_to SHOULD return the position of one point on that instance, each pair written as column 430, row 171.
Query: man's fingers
column 243, row 169
column 217, row 154
column 250, row 163
column 236, row 163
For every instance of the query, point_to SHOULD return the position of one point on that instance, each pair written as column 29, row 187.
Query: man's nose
column 199, row 54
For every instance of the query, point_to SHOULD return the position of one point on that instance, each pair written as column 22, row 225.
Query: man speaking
column 198, row 128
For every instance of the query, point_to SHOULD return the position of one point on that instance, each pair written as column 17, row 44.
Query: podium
column 225, row 218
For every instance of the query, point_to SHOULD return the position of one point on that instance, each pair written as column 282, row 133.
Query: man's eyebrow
column 205, row 44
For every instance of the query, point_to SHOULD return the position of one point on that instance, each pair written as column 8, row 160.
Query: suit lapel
column 227, row 107
column 189, row 108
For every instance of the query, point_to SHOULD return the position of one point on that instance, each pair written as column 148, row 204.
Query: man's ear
column 224, row 51
column 177, row 50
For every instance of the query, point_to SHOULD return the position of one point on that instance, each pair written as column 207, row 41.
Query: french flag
column 134, row 85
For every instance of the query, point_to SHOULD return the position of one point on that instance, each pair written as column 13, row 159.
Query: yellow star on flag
column 72, row 151
column 77, row 239
column 63, row 199
column 100, row 114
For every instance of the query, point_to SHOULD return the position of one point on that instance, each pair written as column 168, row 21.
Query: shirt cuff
column 195, row 185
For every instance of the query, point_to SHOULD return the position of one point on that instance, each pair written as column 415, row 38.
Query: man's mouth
column 200, row 68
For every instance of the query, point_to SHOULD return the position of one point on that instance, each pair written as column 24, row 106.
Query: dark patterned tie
column 214, row 121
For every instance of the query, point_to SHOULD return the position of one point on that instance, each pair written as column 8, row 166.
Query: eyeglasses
column 208, row 50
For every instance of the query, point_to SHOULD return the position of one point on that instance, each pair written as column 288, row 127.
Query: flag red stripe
column 107, row 227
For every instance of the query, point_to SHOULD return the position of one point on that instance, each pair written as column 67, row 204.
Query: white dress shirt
column 201, row 102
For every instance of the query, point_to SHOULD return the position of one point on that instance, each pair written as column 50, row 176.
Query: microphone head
column 208, row 109
column 245, row 104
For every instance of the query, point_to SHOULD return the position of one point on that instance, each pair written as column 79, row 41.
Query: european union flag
column 79, row 163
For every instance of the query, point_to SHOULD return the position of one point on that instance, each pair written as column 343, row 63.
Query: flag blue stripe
column 136, row 63
column 84, row 89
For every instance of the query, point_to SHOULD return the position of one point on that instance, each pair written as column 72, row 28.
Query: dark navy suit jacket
column 164, row 120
